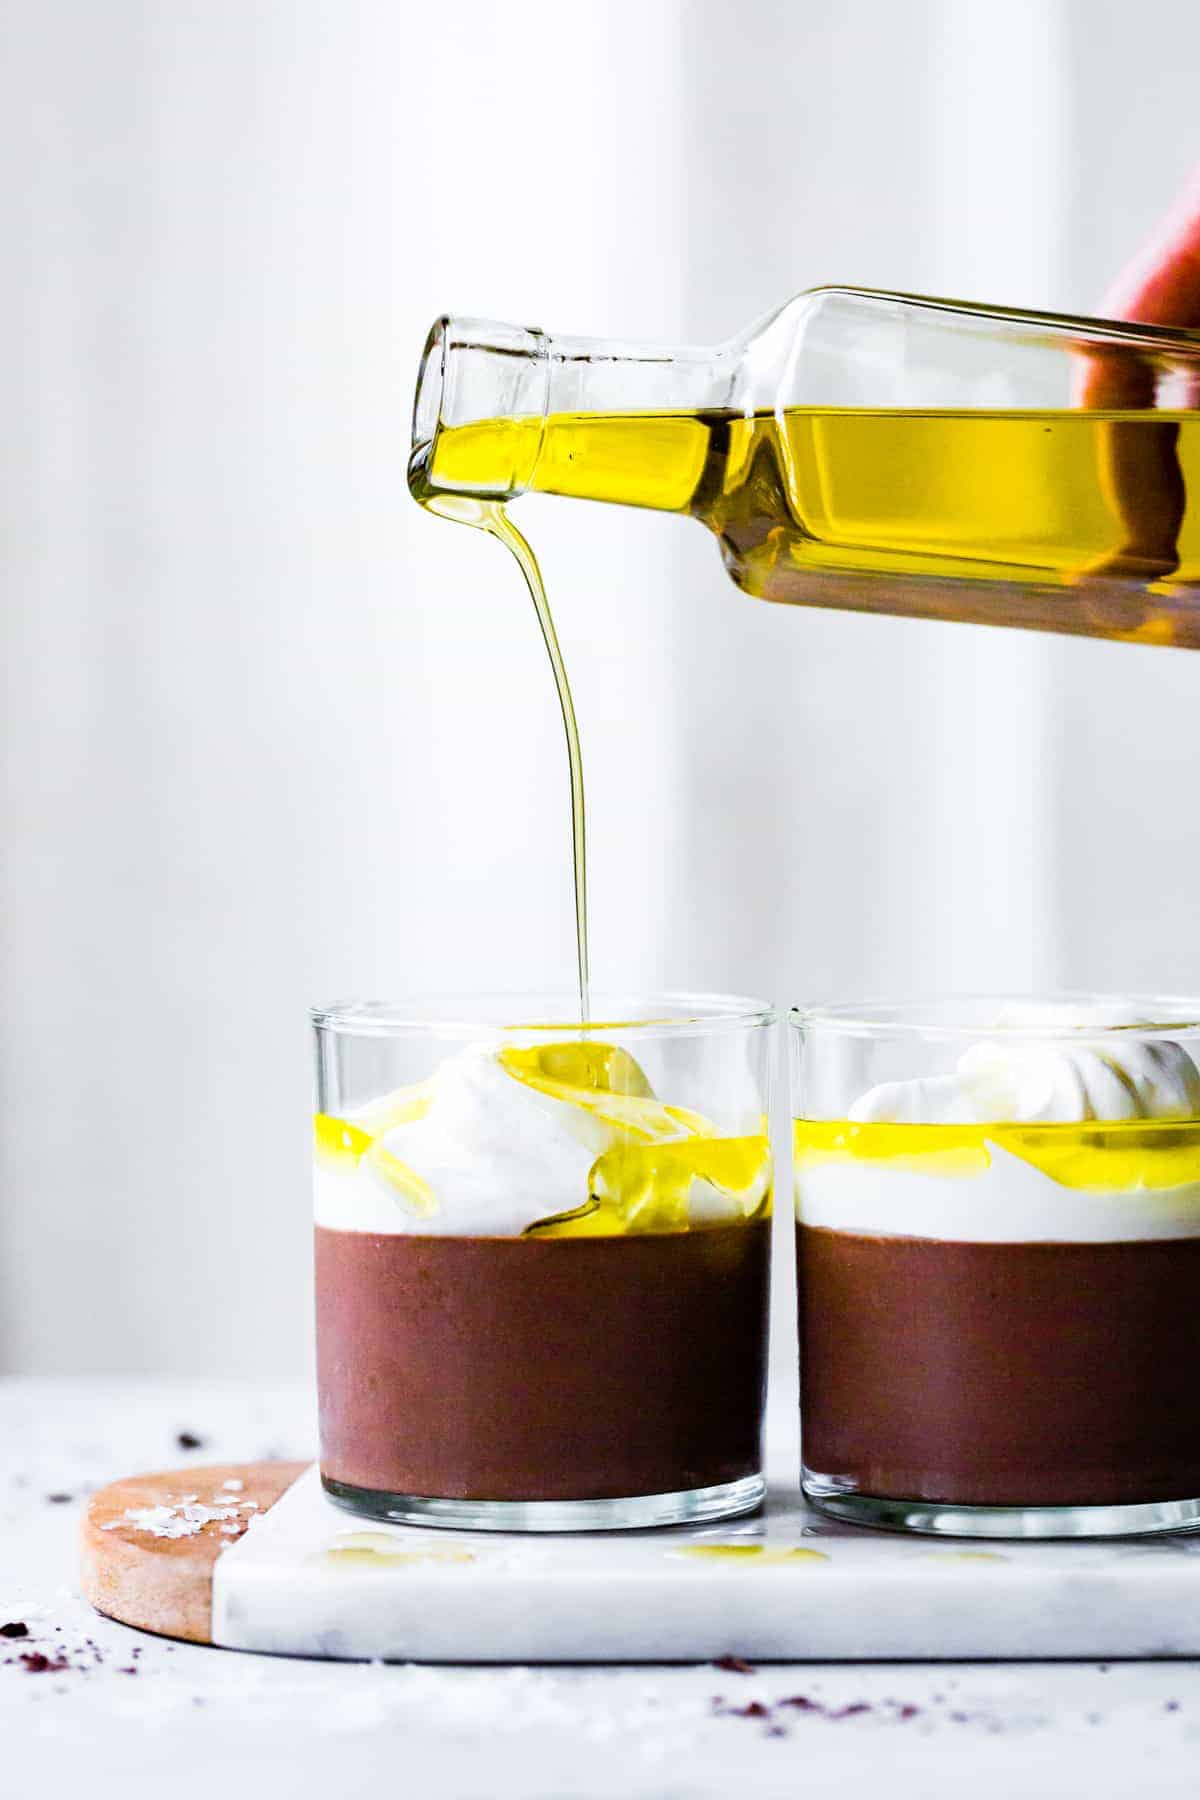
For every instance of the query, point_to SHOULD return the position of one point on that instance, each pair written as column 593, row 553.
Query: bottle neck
column 486, row 391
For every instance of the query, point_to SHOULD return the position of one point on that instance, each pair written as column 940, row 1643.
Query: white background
column 271, row 735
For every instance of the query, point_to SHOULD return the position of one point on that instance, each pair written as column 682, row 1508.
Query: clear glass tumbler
column 998, row 1249
column 542, row 1259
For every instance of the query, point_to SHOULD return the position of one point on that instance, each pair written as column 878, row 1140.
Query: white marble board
column 309, row 1579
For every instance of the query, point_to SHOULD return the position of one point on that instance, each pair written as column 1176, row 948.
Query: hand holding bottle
column 1160, row 286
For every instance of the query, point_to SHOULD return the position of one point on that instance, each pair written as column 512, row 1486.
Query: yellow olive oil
column 650, row 1155
column 1124, row 1155
column 1072, row 521
column 490, row 516
column 1075, row 521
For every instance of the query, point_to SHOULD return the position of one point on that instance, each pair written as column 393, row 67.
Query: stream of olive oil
column 490, row 516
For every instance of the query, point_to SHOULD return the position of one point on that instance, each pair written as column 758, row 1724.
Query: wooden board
column 147, row 1553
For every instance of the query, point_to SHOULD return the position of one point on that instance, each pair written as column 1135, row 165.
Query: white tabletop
column 191, row 1719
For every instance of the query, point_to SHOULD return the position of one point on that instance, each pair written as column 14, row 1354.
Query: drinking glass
column 998, row 1249
column 542, row 1258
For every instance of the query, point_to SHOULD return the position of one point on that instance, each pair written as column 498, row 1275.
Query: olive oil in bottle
column 857, row 450
column 1066, row 520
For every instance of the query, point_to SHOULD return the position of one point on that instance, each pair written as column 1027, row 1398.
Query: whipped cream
column 1009, row 1202
column 1076, row 1079
column 1068, row 1081
column 491, row 1154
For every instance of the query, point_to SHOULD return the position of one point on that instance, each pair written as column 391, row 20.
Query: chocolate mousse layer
column 541, row 1369
column 1001, row 1374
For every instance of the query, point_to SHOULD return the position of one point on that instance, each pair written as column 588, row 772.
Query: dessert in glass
column 542, row 1259
column 998, row 1249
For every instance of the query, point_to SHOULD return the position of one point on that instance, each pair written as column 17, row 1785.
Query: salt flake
column 184, row 1519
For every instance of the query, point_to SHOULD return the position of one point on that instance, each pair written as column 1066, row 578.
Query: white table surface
column 198, row 1721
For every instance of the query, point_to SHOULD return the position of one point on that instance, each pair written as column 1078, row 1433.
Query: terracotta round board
column 148, row 1544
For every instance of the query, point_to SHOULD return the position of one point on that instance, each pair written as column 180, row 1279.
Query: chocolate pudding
column 515, row 1368
column 998, row 1254
column 995, row 1373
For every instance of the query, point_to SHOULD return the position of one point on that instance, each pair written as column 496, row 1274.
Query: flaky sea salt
column 184, row 1519
column 233, row 1486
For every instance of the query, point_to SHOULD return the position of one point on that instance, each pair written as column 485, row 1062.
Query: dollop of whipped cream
column 1067, row 1080
column 483, row 1152
column 496, row 1153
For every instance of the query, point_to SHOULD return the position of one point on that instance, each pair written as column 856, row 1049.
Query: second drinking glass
column 999, row 1259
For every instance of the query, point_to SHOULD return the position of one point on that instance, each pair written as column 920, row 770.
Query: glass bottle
column 864, row 450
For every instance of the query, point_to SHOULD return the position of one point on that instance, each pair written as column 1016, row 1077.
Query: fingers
column 1139, row 463
column 1141, row 478
column 1161, row 286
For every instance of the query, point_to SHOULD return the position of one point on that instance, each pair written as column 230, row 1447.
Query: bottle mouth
column 483, row 391
column 431, row 382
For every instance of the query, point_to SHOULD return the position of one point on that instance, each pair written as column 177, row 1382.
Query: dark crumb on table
column 16, row 1628
column 35, row 1662
column 734, row 1665
column 1170, row 1706
column 899, row 1710
column 59, row 1499
column 753, row 1709
column 86, row 1657
column 895, row 1711
column 189, row 1440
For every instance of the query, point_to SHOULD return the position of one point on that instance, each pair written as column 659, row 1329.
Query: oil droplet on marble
column 961, row 1556
column 758, row 1553
column 374, row 1549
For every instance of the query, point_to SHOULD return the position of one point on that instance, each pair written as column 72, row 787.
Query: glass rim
column 1167, row 1016
column 672, row 1013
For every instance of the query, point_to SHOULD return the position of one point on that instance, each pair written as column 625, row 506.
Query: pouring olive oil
column 490, row 516
column 856, row 450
